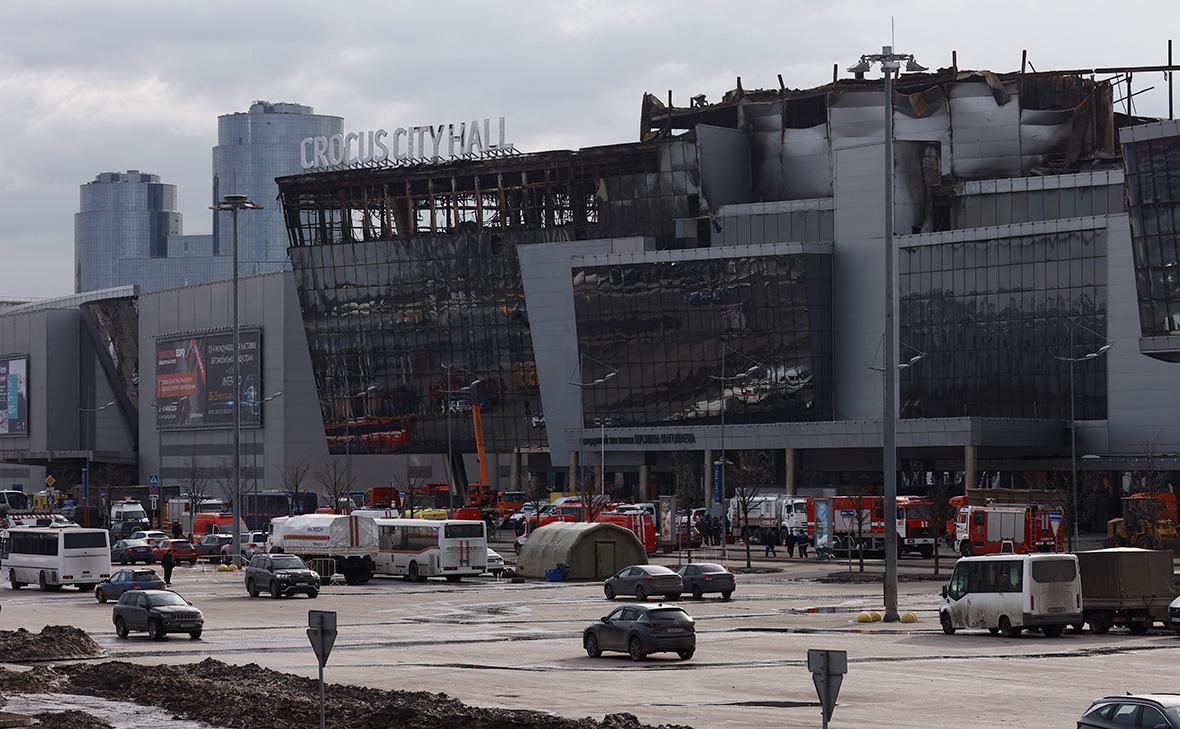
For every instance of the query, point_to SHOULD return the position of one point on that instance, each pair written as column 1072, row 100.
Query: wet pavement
column 518, row 646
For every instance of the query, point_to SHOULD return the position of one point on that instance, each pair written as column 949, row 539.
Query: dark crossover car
column 280, row 575
column 1149, row 711
column 159, row 612
column 707, row 577
column 210, row 545
column 643, row 580
column 124, row 580
column 640, row 630
column 130, row 551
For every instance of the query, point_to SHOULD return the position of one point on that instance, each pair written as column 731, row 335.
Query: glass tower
column 253, row 148
column 122, row 215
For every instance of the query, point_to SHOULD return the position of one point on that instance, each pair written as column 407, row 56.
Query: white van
column 52, row 557
column 1008, row 593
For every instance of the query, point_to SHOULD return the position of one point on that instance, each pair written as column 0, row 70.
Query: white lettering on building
column 433, row 143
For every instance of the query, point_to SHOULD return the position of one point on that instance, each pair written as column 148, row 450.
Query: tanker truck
column 330, row 543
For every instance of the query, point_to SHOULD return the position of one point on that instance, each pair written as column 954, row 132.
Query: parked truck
column 1125, row 586
column 349, row 543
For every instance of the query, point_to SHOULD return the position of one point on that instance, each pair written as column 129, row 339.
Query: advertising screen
column 14, row 395
column 194, row 380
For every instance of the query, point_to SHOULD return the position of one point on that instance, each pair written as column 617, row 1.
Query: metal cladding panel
column 986, row 138
column 935, row 127
column 807, row 163
column 857, row 117
column 766, row 147
column 1043, row 131
column 724, row 156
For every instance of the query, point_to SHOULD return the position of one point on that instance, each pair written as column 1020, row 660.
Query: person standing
column 167, row 561
column 802, row 542
column 177, row 532
column 771, row 538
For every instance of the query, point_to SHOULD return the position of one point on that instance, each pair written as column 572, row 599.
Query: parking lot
column 518, row 646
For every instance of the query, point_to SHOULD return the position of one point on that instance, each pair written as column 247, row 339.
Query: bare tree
column 941, row 491
column 592, row 502
column 222, row 474
column 334, row 481
column 688, row 470
column 752, row 471
column 294, row 478
column 862, row 518
column 194, row 484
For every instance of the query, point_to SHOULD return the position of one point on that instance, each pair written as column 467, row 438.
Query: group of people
column 792, row 538
column 712, row 529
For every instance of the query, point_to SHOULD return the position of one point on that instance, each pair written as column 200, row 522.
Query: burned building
column 718, row 283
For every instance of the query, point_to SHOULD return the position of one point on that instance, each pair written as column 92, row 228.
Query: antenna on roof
column 892, row 33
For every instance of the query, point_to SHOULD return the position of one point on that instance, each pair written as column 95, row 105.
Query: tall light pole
column 602, row 423
column 1073, row 423
column 724, row 380
column 234, row 203
column 86, row 470
column 582, row 385
column 890, row 64
column 452, row 486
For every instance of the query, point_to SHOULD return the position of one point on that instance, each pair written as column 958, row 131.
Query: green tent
column 592, row 551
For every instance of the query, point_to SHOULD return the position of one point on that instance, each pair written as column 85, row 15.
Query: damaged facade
column 745, row 238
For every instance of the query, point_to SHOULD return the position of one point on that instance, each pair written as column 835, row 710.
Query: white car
column 495, row 562
column 151, row 537
column 1173, row 614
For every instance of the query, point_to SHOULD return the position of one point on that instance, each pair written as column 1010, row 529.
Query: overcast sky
column 88, row 87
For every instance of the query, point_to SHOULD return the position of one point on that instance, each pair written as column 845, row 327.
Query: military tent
column 592, row 551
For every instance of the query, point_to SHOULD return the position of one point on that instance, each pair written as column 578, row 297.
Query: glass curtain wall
column 1153, row 193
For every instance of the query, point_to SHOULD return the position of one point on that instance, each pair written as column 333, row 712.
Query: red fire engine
column 986, row 529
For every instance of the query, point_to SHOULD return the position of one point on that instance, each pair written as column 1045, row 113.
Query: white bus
column 1009, row 593
column 421, row 548
column 52, row 557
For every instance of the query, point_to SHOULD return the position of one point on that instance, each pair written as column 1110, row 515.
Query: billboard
column 14, row 395
column 195, row 384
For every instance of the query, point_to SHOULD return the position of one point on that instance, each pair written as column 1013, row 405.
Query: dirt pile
column 53, row 643
column 71, row 720
column 252, row 696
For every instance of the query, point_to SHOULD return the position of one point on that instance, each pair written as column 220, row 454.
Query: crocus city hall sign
column 406, row 145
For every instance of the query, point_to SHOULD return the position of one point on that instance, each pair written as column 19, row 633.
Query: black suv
column 159, row 612
column 280, row 574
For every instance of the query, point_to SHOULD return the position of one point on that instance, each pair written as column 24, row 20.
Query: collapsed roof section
column 988, row 125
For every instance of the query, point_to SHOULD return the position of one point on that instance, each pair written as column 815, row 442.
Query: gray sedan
column 643, row 580
column 707, row 577
column 132, row 550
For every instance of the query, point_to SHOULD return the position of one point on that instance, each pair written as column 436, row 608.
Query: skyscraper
column 121, row 215
column 253, row 148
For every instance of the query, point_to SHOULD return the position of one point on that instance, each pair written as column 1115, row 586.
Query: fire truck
column 858, row 522
column 1028, row 528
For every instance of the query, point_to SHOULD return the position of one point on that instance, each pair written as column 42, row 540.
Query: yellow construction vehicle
column 1141, row 526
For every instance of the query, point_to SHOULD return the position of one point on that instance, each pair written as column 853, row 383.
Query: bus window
column 84, row 540
column 464, row 531
column 1053, row 570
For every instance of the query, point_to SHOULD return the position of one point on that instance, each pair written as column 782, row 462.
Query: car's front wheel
column 156, row 630
column 100, row 595
column 194, row 634
column 590, row 643
column 635, row 649
column 313, row 594
column 608, row 591
column 121, row 628
column 275, row 592
column 948, row 627
column 251, row 588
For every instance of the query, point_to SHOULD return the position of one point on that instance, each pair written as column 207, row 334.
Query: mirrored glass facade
column 121, row 216
column 385, row 319
column 662, row 327
column 993, row 316
column 1153, row 193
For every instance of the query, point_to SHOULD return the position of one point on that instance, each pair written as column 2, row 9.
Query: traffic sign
column 1055, row 520
column 153, row 484
column 322, row 633
column 827, row 673
column 50, row 480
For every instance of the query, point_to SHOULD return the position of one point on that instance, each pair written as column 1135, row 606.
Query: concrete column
column 708, row 477
column 644, row 476
column 970, row 470
column 792, row 471
column 571, row 483
column 514, row 471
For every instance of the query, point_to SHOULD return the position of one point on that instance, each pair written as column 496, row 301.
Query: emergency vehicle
column 985, row 529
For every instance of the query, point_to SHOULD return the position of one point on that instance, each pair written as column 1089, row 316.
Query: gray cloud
column 91, row 87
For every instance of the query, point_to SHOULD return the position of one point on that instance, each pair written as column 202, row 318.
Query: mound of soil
column 253, row 696
column 53, row 643
column 71, row 720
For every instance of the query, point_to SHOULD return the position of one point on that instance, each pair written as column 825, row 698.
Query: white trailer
column 765, row 517
column 349, row 541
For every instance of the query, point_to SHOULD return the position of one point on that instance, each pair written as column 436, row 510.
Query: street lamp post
column 234, row 203
column 1073, row 424
column 890, row 64
column 581, row 385
column 86, row 470
column 724, row 379
column 602, row 423
column 452, row 486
